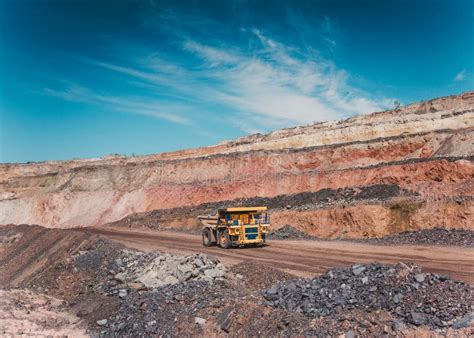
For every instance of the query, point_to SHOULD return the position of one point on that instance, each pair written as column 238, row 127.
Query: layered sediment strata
column 425, row 150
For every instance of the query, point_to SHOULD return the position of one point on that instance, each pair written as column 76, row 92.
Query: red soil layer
column 431, row 156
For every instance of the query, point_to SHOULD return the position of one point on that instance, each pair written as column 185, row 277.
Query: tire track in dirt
column 35, row 252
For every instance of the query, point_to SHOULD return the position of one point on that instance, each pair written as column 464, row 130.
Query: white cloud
column 327, row 24
column 330, row 43
column 213, row 55
column 138, row 106
column 279, row 82
column 266, row 86
column 460, row 76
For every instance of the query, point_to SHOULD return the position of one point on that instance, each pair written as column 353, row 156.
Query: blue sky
column 90, row 78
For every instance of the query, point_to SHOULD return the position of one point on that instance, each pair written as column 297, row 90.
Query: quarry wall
column 425, row 150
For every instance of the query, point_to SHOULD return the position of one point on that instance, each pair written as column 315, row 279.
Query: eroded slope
column 425, row 150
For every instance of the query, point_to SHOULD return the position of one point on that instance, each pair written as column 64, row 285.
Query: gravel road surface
column 305, row 258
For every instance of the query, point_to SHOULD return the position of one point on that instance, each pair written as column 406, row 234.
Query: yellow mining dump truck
column 235, row 227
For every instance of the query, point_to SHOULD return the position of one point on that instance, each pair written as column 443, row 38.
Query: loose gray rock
column 349, row 334
column 224, row 320
column 398, row 325
column 420, row 277
column 120, row 277
column 392, row 288
column 214, row 273
column 466, row 321
column 184, row 268
column 418, row 318
column 154, row 269
column 357, row 269
column 288, row 232
column 101, row 322
column 199, row 320
column 171, row 280
column 397, row 298
column 273, row 290
column 436, row 236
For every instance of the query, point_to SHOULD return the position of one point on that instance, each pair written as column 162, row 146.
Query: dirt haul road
column 306, row 258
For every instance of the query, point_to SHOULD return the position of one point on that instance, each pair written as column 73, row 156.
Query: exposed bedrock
column 357, row 212
column 425, row 150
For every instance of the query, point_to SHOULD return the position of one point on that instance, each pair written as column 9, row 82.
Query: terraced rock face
column 371, row 175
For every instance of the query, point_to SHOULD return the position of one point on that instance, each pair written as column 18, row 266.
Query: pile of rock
column 436, row 236
column 166, row 310
column 412, row 297
column 256, row 276
column 154, row 269
column 288, row 232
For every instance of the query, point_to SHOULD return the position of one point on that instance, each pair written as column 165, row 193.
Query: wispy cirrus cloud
column 460, row 76
column 266, row 86
column 76, row 93
column 279, row 81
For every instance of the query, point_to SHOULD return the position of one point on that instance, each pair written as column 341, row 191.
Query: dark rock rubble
column 410, row 295
column 288, row 232
column 436, row 236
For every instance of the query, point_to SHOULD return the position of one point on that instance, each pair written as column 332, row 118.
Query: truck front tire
column 224, row 239
column 206, row 237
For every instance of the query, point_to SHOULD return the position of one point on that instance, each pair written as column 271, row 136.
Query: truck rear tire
column 224, row 240
column 206, row 237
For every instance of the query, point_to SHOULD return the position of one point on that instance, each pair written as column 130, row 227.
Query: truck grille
column 251, row 232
